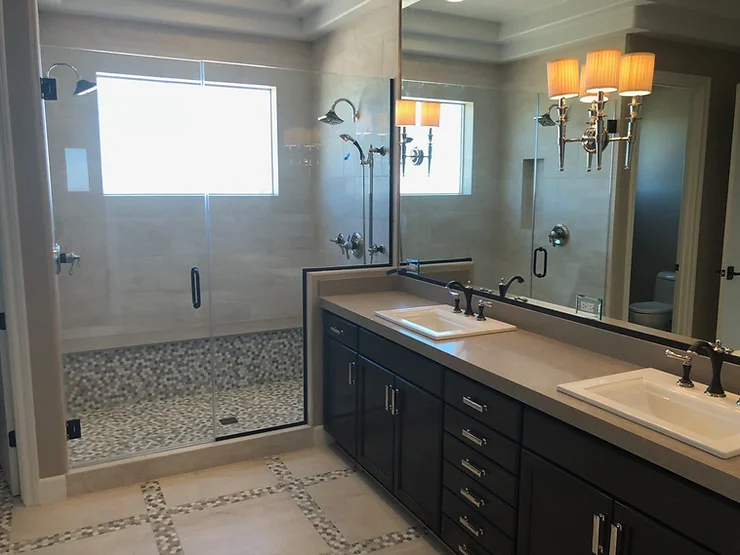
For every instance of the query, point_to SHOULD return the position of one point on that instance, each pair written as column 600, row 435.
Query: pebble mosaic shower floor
column 149, row 426
column 149, row 398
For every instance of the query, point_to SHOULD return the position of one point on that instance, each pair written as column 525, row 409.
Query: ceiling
column 497, row 31
column 490, row 10
column 288, row 19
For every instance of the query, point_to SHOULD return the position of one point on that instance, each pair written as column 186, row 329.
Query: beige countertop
column 529, row 367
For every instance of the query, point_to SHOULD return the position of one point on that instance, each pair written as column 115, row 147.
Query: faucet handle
column 720, row 348
column 454, row 294
column 686, row 360
column 481, row 308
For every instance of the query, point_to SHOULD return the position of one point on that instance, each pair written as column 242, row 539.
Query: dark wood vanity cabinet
column 489, row 475
column 379, row 410
column 377, row 423
column 563, row 515
column 340, row 394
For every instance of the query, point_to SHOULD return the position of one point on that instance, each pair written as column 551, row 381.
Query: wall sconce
column 406, row 115
column 606, row 71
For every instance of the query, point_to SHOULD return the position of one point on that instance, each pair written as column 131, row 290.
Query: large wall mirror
column 654, row 248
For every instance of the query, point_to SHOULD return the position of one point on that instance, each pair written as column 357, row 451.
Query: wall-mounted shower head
column 350, row 139
column 82, row 87
column 545, row 120
column 331, row 117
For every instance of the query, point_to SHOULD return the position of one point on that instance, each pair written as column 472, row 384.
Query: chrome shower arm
column 355, row 113
column 63, row 64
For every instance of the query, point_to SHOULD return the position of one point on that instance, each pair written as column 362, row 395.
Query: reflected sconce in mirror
column 406, row 114
column 606, row 71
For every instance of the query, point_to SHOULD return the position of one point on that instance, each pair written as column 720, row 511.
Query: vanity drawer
column 475, row 526
column 340, row 330
column 490, row 407
column 460, row 542
column 481, row 500
column 482, row 470
column 410, row 366
column 483, row 439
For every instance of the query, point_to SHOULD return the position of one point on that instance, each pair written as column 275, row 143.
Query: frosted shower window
column 447, row 171
column 162, row 137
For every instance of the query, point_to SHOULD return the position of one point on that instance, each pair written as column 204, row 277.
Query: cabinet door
column 419, row 429
column 635, row 534
column 376, row 422
column 558, row 513
column 340, row 395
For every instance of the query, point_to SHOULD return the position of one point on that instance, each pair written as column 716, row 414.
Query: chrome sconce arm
column 417, row 155
column 600, row 132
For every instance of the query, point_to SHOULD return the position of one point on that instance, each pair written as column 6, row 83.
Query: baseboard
column 52, row 489
column 88, row 479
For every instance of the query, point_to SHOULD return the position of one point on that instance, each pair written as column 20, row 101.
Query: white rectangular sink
column 652, row 398
column 439, row 322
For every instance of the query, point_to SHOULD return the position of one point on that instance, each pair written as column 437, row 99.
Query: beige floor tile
column 356, row 509
column 310, row 462
column 77, row 512
column 138, row 540
column 422, row 546
column 271, row 525
column 213, row 482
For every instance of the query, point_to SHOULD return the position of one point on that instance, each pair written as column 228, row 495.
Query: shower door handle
column 537, row 252
column 195, row 286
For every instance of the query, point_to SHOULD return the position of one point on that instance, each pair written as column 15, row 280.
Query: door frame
column 691, row 198
column 731, row 190
column 15, row 302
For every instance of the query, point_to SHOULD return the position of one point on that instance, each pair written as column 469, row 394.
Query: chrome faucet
column 503, row 287
column 466, row 290
column 716, row 353
column 686, row 361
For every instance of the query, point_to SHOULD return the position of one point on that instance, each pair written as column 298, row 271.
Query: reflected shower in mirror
column 654, row 248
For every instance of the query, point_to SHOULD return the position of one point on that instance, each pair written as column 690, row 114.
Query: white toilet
column 658, row 313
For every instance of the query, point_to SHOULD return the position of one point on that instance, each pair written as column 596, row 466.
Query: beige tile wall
column 356, row 61
column 492, row 225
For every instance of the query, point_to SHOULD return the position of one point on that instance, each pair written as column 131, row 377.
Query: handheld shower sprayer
column 350, row 139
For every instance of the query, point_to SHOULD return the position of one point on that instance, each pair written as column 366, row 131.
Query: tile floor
column 307, row 502
column 148, row 426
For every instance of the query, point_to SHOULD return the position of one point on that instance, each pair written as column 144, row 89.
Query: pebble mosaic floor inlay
column 149, row 426
column 162, row 518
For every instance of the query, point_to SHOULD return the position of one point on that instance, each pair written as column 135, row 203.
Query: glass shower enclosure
column 194, row 193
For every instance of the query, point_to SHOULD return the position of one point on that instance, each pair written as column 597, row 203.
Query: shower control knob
column 559, row 236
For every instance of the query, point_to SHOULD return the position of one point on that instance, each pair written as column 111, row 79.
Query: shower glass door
column 261, row 237
column 576, row 200
column 127, row 198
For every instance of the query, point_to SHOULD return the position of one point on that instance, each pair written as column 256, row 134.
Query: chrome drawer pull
column 470, row 436
column 616, row 531
column 596, row 533
column 462, row 549
column 477, row 532
column 467, row 465
column 336, row 331
column 351, row 378
column 473, row 405
column 387, row 398
column 465, row 492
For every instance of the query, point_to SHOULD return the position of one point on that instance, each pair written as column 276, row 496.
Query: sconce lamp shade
column 587, row 97
column 430, row 112
column 602, row 71
column 562, row 78
column 405, row 112
column 636, row 75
